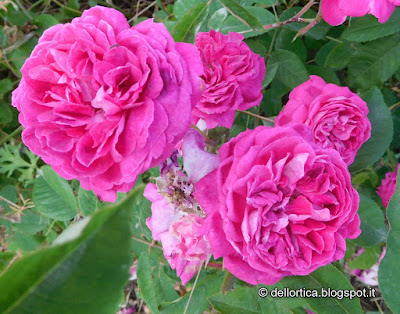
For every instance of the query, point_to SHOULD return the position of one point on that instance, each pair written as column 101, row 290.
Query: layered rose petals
column 335, row 12
column 337, row 116
column 278, row 204
column 102, row 102
column 233, row 76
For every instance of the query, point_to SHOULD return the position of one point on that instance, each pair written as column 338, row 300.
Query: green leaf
column 87, row 201
column 389, row 271
column 373, row 63
column 187, row 27
column 285, row 41
column 323, row 52
column 217, row 19
column 325, row 277
column 291, row 71
column 232, row 24
column 53, row 197
column 5, row 87
column 86, row 274
column 6, row 113
column 146, row 282
column 372, row 223
column 9, row 192
column 243, row 15
column 181, row 7
column 366, row 260
column 24, row 242
column 340, row 56
column 207, row 285
column 240, row 300
column 368, row 28
column 327, row 74
column 44, row 21
column 270, row 73
column 381, row 133
column 247, row 300
column 12, row 162
column 31, row 222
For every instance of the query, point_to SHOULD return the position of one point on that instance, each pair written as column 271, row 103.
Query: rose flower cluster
column 102, row 102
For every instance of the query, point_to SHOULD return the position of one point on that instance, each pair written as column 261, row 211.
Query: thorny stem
column 257, row 116
column 314, row 22
column 227, row 282
column 297, row 18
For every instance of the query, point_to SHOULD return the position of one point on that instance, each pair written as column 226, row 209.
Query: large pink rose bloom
column 337, row 116
column 102, row 102
column 335, row 12
column 278, row 205
column 388, row 187
column 233, row 76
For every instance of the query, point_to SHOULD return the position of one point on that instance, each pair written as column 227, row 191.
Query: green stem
column 11, row 135
column 227, row 283
column 191, row 292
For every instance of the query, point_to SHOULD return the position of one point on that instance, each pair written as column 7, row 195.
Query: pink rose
column 335, row 12
column 176, row 217
column 388, row 187
column 337, row 116
column 233, row 76
column 278, row 204
column 102, row 102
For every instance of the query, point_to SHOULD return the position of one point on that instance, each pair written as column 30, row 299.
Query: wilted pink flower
column 335, row 12
column 388, row 187
column 233, row 76
column 369, row 276
column 102, row 102
column 278, row 204
column 176, row 216
column 337, row 116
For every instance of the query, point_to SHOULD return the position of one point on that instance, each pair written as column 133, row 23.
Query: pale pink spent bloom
column 388, row 187
column 103, row 102
column 191, row 250
column 336, row 116
column 369, row 276
column 176, row 216
column 335, row 12
column 233, row 76
column 278, row 204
